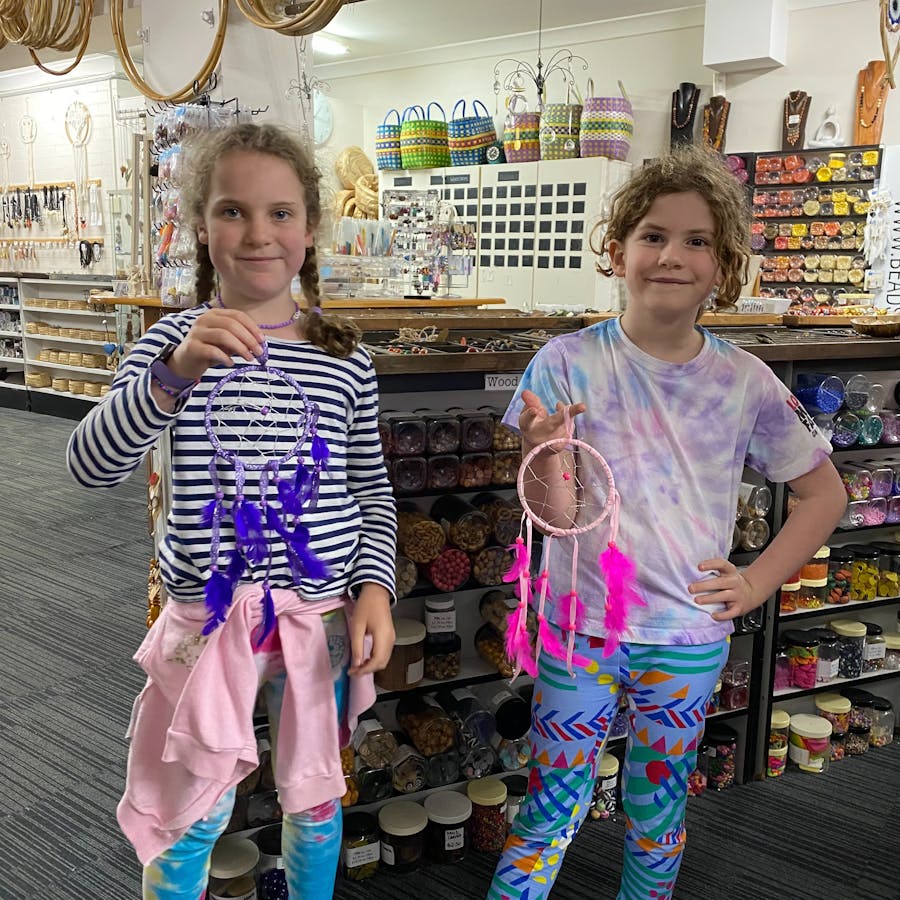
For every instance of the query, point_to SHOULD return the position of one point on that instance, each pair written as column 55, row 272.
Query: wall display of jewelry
column 809, row 217
column 873, row 90
column 684, row 111
column 796, row 110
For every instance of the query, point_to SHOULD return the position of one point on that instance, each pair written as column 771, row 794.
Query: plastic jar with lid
column 510, row 710
column 408, row 770
column 406, row 667
column 883, row 720
column 875, row 648
column 492, row 649
column 861, row 708
column 360, row 846
column 853, row 638
column 407, row 433
column 409, row 474
column 892, row 651
column 754, row 534
column 441, row 433
column 810, row 743
column 835, row 708
column 827, row 667
column 698, row 779
column 838, row 745
column 372, row 742
column 466, row 527
column 782, row 675
column 449, row 814
column 840, row 575
column 813, row 593
column 504, row 515
column 754, row 500
column 776, row 761
column 442, row 768
column 889, row 568
column 232, row 869
column 470, row 709
column 506, row 466
column 817, row 567
column 488, row 796
column 721, row 741
column 779, row 728
column 789, row 596
column 857, row 741
column 427, row 724
column 803, row 656
column 735, row 684
column 516, row 789
column 271, row 879
column 402, row 825
column 476, row 429
column 604, row 801
column 443, row 646
column 865, row 572
column 511, row 754
column 443, row 472
column 476, row 757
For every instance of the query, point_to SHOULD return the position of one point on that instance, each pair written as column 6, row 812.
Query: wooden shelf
column 59, row 310
column 81, row 369
column 64, row 340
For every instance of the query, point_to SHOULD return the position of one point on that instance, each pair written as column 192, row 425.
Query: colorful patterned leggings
column 668, row 688
column 310, row 840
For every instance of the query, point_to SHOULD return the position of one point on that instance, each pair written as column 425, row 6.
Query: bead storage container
column 512, row 755
column 406, row 667
column 721, row 740
column 789, row 595
column 442, row 644
column 488, row 796
column 836, row 709
column 406, row 433
column 232, row 869
column 829, row 659
column 427, row 724
column 477, row 719
column 492, row 649
column 840, row 575
column 888, row 568
column 476, row 757
column 511, row 712
column 779, row 729
column 865, row 572
column 408, row 770
column 857, row 741
column 443, row 472
column 803, row 657
column 813, row 593
column 505, row 516
column 402, row 827
column 735, row 684
column 408, row 474
column 853, row 638
column 476, row 430
column 516, row 789
column 360, row 846
column 874, row 649
column 810, row 743
column 715, row 699
column 817, row 567
column 699, row 778
column 820, row 392
column 604, row 802
column 883, row 721
column 782, row 676
column 465, row 526
column 449, row 814
column 892, row 651
column 838, row 745
column 441, row 433
column 270, row 875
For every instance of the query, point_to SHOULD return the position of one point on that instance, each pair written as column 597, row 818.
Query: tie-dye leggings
column 668, row 688
column 310, row 841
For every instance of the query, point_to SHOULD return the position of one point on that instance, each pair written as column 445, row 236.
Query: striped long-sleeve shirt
column 353, row 525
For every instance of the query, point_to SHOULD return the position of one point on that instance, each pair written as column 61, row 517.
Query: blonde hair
column 686, row 168
column 335, row 336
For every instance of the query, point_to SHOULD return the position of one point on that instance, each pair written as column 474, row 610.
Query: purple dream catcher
column 258, row 420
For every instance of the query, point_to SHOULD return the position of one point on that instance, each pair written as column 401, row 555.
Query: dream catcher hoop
column 890, row 26
column 282, row 420
column 586, row 480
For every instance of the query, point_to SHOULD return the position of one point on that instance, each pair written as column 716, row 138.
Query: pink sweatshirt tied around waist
column 191, row 731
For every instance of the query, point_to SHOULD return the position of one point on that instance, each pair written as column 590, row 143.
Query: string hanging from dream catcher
column 261, row 425
column 78, row 131
column 581, row 477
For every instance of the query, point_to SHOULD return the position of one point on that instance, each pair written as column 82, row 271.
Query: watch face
column 323, row 118
column 493, row 154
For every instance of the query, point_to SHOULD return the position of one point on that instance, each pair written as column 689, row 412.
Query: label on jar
column 440, row 622
column 362, row 856
column 803, row 758
column 875, row 651
column 461, row 694
column 363, row 730
column 387, row 854
column 415, row 672
column 455, row 838
column 500, row 697
column 826, row 669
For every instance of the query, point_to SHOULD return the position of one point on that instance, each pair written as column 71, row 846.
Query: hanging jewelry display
column 303, row 89
column 715, row 121
column 796, row 108
column 28, row 133
column 873, row 88
column 684, row 110
column 78, row 131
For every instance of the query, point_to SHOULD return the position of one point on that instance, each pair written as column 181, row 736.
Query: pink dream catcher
column 585, row 482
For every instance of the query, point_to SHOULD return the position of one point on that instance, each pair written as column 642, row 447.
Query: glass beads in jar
column 857, row 742
column 865, row 573
column 735, row 684
column 442, row 644
column 406, row 667
column 828, row 664
column 488, row 796
column 426, row 723
column 840, row 575
column 782, row 677
column 789, row 595
column 803, row 657
column 810, row 743
column 838, row 745
column 360, row 846
column 874, row 649
column 779, row 727
column 449, row 814
column 853, row 638
column 467, row 528
column 603, row 803
column 836, row 709
column 882, row 731
column 813, row 593
column 889, row 565
column 699, row 778
column 407, row 433
column 721, row 756
column 817, row 567
column 408, row 769
column 441, row 433
column 892, row 651
column 402, row 824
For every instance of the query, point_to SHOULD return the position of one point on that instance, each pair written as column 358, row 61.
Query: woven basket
column 350, row 164
column 423, row 141
column 387, row 143
column 607, row 126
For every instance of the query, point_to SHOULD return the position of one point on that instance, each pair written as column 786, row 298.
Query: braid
column 335, row 336
column 205, row 279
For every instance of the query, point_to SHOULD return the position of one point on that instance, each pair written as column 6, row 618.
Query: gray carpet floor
column 73, row 569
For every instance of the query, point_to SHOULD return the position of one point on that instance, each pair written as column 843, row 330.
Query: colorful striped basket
column 607, row 125
column 387, row 143
column 560, row 127
column 521, row 134
column 423, row 141
column 470, row 136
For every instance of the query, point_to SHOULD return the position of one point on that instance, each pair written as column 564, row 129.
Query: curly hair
column 686, row 168
column 335, row 336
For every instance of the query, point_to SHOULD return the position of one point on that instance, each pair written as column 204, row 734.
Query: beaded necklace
column 690, row 111
column 794, row 112
column 721, row 118
column 879, row 101
column 294, row 316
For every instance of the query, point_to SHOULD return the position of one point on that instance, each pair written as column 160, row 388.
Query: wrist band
column 172, row 392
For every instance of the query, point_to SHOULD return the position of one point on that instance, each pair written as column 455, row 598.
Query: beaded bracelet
column 172, row 392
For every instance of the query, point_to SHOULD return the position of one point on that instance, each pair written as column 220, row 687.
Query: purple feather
column 208, row 516
column 291, row 502
column 301, row 482
column 268, row 622
column 236, row 567
column 218, row 592
column 312, row 565
column 312, row 495
column 320, row 452
column 249, row 532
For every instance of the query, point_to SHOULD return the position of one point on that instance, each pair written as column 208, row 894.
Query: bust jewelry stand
column 793, row 130
column 828, row 134
column 715, row 121
column 684, row 110
column 872, row 89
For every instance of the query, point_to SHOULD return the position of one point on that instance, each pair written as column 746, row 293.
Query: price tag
column 793, row 120
column 508, row 381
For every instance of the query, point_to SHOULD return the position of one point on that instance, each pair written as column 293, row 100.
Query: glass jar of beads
column 779, row 727
column 840, row 575
column 402, row 824
column 360, row 846
column 829, row 659
column 857, row 742
column 853, row 638
column 892, row 651
column 835, row 708
column 699, row 778
column 449, row 814
column 721, row 739
column 810, row 743
column 735, row 684
column 443, row 645
column 883, row 720
column 874, row 649
column 788, row 596
column 838, row 745
column 782, row 678
column 488, row 796
column 803, row 656
column 865, row 573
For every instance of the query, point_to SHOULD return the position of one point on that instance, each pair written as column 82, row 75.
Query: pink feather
column 621, row 594
column 518, row 644
column 564, row 614
column 549, row 641
column 521, row 564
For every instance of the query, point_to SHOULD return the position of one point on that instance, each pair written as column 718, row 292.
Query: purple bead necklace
column 296, row 315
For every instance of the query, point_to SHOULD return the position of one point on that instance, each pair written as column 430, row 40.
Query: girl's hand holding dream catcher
column 566, row 489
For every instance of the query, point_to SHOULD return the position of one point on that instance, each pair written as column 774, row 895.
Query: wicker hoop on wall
column 83, row 32
column 314, row 18
column 196, row 83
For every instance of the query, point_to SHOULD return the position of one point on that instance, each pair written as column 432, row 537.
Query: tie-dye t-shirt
column 676, row 437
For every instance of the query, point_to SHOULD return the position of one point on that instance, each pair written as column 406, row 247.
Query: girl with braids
column 253, row 198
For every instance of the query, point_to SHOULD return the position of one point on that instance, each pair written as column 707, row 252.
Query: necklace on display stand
column 796, row 106
column 715, row 121
column 684, row 106
column 873, row 92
